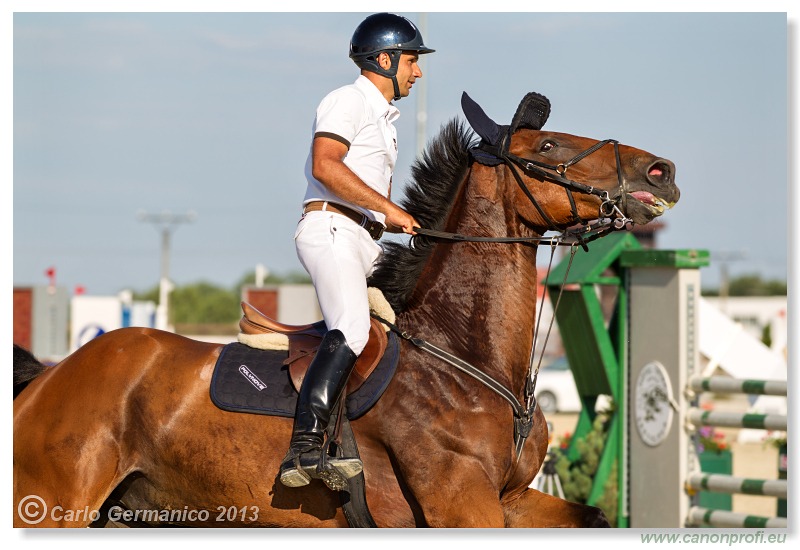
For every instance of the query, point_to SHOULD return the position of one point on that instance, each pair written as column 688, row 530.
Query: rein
column 580, row 235
column 523, row 414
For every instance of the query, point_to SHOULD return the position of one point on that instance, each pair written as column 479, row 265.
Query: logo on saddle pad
column 252, row 378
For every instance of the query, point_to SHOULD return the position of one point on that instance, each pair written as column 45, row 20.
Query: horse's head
column 563, row 179
column 610, row 180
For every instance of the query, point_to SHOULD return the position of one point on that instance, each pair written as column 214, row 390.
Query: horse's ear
column 532, row 113
column 484, row 126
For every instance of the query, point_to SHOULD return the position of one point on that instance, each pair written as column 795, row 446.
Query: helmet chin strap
column 391, row 72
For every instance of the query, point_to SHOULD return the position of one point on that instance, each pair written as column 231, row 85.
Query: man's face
column 408, row 72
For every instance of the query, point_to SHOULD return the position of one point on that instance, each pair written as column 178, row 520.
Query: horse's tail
column 26, row 368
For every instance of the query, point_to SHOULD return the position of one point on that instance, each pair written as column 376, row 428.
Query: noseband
column 556, row 173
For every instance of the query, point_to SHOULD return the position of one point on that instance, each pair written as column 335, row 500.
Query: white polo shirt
column 360, row 117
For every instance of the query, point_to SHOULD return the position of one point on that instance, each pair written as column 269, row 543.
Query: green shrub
column 577, row 476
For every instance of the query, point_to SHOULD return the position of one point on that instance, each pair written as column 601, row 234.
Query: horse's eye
column 547, row 146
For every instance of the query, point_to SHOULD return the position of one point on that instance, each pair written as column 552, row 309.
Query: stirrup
column 334, row 471
column 337, row 471
column 298, row 467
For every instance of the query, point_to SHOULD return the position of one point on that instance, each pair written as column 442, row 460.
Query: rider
column 346, row 208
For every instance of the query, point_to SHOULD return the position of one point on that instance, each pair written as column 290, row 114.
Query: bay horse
column 129, row 412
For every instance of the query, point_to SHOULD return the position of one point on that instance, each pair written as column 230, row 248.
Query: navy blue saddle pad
column 256, row 381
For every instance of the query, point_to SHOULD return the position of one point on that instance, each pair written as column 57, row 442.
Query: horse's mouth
column 655, row 204
column 659, row 178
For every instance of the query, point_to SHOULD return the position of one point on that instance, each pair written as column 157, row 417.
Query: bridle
column 557, row 174
column 611, row 219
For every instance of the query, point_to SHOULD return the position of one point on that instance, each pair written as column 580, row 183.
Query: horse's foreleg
column 451, row 492
column 533, row 508
column 468, row 504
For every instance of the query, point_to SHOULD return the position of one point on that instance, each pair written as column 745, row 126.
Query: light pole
column 724, row 289
column 422, row 89
column 261, row 275
column 166, row 222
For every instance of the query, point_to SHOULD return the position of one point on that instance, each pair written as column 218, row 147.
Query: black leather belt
column 375, row 229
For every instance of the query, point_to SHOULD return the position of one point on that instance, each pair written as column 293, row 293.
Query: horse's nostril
column 660, row 171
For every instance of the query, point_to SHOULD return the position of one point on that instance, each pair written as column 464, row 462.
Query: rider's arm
column 328, row 167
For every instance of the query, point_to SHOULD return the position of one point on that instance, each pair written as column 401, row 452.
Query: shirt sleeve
column 341, row 113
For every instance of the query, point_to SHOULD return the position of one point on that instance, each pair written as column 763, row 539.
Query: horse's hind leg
column 66, row 458
column 63, row 502
column 62, row 489
column 536, row 509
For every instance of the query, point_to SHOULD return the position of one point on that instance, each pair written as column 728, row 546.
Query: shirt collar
column 376, row 99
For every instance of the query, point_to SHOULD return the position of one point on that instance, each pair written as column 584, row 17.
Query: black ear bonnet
column 532, row 113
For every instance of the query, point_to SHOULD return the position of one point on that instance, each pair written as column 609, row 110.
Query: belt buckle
column 375, row 230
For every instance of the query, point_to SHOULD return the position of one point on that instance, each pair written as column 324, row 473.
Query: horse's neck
column 478, row 300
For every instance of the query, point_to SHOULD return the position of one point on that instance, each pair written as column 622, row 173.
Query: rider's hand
column 397, row 217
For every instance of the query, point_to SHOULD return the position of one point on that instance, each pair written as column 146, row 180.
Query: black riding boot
column 322, row 387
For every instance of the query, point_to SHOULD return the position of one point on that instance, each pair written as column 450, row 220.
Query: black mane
column 429, row 196
column 26, row 368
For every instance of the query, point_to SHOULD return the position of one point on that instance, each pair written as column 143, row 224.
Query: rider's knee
column 357, row 337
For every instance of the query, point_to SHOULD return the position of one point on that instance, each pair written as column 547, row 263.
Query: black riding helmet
column 385, row 32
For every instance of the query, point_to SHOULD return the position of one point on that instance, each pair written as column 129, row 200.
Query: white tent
column 726, row 346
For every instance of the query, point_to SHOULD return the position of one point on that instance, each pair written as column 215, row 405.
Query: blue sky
column 117, row 113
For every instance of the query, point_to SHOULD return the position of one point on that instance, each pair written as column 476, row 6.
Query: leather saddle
column 304, row 340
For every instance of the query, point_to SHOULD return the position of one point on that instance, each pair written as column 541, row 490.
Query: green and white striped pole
column 737, row 420
column 722, row 384
column 728, row 484
column 718, row 518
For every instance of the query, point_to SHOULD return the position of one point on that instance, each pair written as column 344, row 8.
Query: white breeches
column 339, row 256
